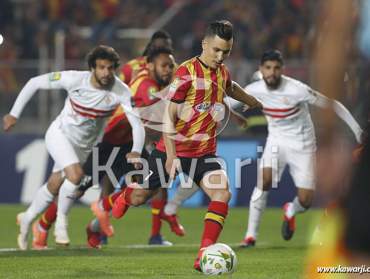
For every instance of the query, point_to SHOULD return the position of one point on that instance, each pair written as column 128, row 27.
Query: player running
column 291, row 140
column 145, row 88
column 93, row 96
column 189, row 139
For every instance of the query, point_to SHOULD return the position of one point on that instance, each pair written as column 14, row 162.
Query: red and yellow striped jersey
column 201, row 91
column 118, row 130
column 131, row 69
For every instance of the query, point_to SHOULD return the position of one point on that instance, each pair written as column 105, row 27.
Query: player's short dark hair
column 272, row 55
column 102, row 52
column 221, row 28
column 159, row 34
column 155, row 52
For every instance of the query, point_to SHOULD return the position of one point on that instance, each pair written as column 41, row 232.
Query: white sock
column 256, row 207
column 94, row 225
column 41, row 201
column 294, row 207
column 65, row 201
column 181, row 195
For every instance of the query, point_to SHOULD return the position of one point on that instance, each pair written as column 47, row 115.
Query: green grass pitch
column 123, row 257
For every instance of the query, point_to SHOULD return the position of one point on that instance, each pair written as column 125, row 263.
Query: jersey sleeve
column 251, row 89
column 55, row 80
column 138, row 132
column 126, row 73
column 180, row 85
column 309, row 95
column 146, row 93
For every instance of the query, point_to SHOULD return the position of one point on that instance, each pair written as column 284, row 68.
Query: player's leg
column 44, row 196
column 66, row 198
column 67, row 157
column 157, row 204
column 210, row 176
column 119, row 167
column 302, row 169
column 300, row 204
column 40, row 228
column 181, row 195
column 95, row 235
column 135, row 194
column 270, row 169
column 257, row 205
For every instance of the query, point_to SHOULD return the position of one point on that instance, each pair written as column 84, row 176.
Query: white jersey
column 287, row 112
column 86, row 108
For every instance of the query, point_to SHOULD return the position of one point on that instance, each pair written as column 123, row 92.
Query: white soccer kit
column 71, row 136
column 291, row 139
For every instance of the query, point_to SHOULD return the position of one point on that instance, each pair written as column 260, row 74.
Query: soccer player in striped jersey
column 291, row 140
column 92, row 98
column 188, row 144
column 132, row 68
column 144, row 88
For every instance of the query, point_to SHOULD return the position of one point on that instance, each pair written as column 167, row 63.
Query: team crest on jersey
column 286, row 101
column 152, row 92
column 108, row 99
column 174, row 84
column 55, row 76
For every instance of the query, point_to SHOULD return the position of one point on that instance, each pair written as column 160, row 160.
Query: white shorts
column 277, row 156
column 61, row 149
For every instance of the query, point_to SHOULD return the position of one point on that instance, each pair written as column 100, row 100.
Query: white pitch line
column 130, row 246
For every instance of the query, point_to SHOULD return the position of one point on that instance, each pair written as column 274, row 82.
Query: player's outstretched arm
column 235, row 116
column 236, row 92
column 46, row 81
column 342, row 112
column 138, row 134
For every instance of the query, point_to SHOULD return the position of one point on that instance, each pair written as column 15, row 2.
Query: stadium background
column 43, row 36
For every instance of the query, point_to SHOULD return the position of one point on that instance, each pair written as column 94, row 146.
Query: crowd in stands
column 29, row 27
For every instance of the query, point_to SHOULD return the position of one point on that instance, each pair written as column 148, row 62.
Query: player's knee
column 54, row 182
column 266, row 185
column 137, row 198
column 75, row 175
column 223, row 195
column 305, row 201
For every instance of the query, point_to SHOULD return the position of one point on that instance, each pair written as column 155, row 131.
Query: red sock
column 157, row 207
column 122, row 203
column 49, row 216
column 108, row 201
column 213, row 222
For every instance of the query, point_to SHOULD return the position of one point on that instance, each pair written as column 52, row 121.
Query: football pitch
column 128, row 256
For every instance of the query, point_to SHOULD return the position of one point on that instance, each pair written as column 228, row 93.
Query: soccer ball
column 218, row 259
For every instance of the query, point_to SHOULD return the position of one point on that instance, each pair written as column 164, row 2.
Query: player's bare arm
column 239, row 94
column 8, row 122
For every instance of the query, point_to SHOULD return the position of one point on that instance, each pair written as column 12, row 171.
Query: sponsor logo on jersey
column 202, row 107
column 55, row 76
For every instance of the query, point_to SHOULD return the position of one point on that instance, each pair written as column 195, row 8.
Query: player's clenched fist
column 8, row 122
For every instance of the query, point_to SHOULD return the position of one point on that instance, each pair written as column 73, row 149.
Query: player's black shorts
column 120, row 165
column 202, row 165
